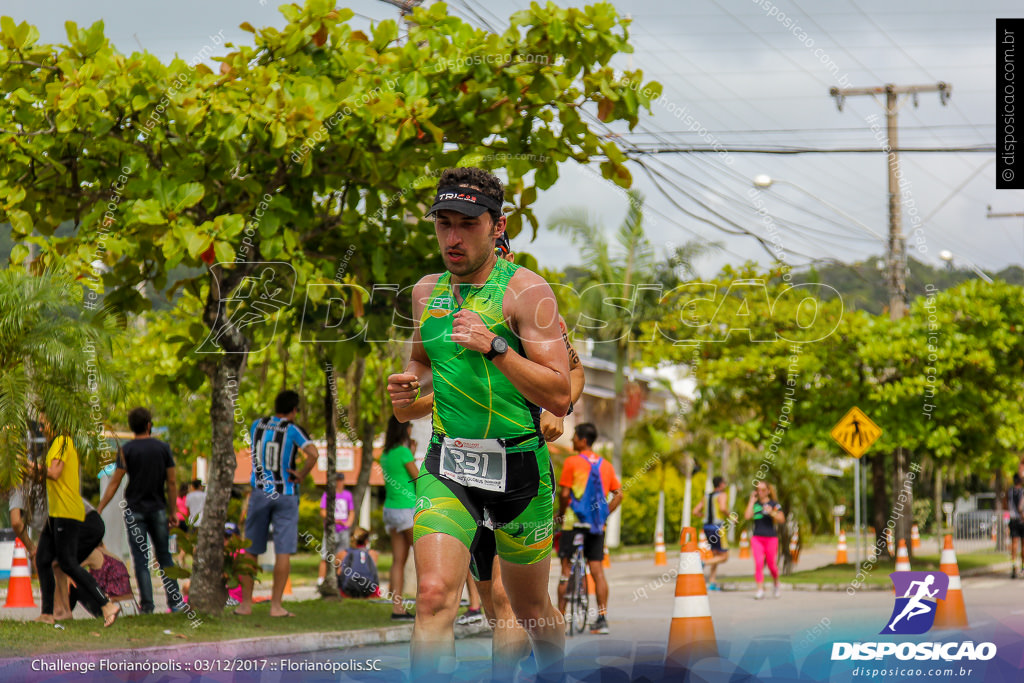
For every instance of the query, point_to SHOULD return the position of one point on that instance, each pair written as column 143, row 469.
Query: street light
column 947, row 256
column 764, row 181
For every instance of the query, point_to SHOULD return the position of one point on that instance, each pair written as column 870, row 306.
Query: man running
column 274, row 500
column 488, row 345
column 511, row 644
column 714, row 526
column 1015, row 506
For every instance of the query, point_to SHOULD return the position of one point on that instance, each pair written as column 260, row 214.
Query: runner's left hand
column 551, row 426
column 469, row 331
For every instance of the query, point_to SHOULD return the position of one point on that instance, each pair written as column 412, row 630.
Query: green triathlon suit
column 474, row 400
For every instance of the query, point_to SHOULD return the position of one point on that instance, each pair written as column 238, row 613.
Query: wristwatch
column 498, row 347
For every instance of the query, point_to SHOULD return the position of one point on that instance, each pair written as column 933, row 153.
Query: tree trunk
column 329, row 588
column 905, row 497
column 879, row 502
column 367, row 430
column 366, row 433
column 786, row 565
column 208, row 594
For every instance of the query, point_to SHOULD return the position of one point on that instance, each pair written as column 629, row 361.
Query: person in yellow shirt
column 59, row 540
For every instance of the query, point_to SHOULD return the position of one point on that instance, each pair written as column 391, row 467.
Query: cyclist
column 487, row 344
column 573, row 483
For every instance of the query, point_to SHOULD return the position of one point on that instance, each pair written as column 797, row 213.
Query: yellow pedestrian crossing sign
column 856, row 432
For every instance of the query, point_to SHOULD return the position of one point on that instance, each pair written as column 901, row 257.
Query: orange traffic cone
column 19, row 589
column 902, row 557
column 288, row 587
column 794, row 546
column 744, row 546
column 606, row 562
column 951, row 612
column 660, row 555
column 841, row 549
column 703, row 547
column 915, row 537
column 692, row 634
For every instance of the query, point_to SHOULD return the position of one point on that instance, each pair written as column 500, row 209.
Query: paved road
column 762, row 637
column 799, row 627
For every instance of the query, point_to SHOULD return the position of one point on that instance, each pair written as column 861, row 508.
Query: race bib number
column 474, row 463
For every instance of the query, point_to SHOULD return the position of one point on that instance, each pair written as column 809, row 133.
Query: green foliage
column 862, row 285
column 923, row 514
column 640, row 505
column 309, row 519
column 316, row 140
column 55, row 357
column 237, row 562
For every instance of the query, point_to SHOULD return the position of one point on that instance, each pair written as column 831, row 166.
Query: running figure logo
column 914, row 613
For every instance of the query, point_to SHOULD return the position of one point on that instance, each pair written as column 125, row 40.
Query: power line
column 689, row 149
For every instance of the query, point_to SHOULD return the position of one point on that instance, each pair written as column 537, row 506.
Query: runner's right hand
column 402, row 388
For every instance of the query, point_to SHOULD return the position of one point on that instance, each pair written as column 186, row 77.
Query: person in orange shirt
column 573, row 484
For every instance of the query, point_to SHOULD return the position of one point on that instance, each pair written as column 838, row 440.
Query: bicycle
column 577, row 599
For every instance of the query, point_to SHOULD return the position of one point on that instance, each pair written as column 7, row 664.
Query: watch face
column 499, row 345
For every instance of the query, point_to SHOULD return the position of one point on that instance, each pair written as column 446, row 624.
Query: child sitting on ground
column 358, row 575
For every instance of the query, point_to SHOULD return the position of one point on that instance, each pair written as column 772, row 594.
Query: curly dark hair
column 470, row 176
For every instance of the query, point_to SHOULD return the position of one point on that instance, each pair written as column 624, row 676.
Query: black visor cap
column 465, row 200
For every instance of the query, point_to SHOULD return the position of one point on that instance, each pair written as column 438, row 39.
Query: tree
column 55, row 358
column 620, row 290
column 316, row 134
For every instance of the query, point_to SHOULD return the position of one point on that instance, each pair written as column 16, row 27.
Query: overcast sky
column 749, row 76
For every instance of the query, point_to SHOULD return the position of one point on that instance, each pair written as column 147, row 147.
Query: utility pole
column 1019, row 214
column 896, row 256
column 896, row 261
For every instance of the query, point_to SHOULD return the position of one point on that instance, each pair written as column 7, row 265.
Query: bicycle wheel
column 580, row 601
column 570, row 600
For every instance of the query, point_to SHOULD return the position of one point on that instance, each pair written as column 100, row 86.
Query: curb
column 246, row 648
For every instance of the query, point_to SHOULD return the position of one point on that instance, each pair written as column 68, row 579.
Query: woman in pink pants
column 764, row 509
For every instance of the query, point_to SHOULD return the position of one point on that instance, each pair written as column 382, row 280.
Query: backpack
column 358, row 574
column 592, row 507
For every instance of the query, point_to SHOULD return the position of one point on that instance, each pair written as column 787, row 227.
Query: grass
column 306, row 565
column 24, row 639
column 879, row 576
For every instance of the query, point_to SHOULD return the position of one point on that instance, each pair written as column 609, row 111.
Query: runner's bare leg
column 511, row 644
column 442, row 562
column 527, row 588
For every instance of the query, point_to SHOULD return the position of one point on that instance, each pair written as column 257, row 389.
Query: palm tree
column 55, row 358
column 627, row 270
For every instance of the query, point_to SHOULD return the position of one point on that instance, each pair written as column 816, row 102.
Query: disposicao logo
column 916, row 595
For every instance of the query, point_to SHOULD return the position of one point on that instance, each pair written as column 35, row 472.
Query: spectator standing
column 195, row 501
column 344, row 515
column 276, row 442
column 150, row 499
column 399, row 468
